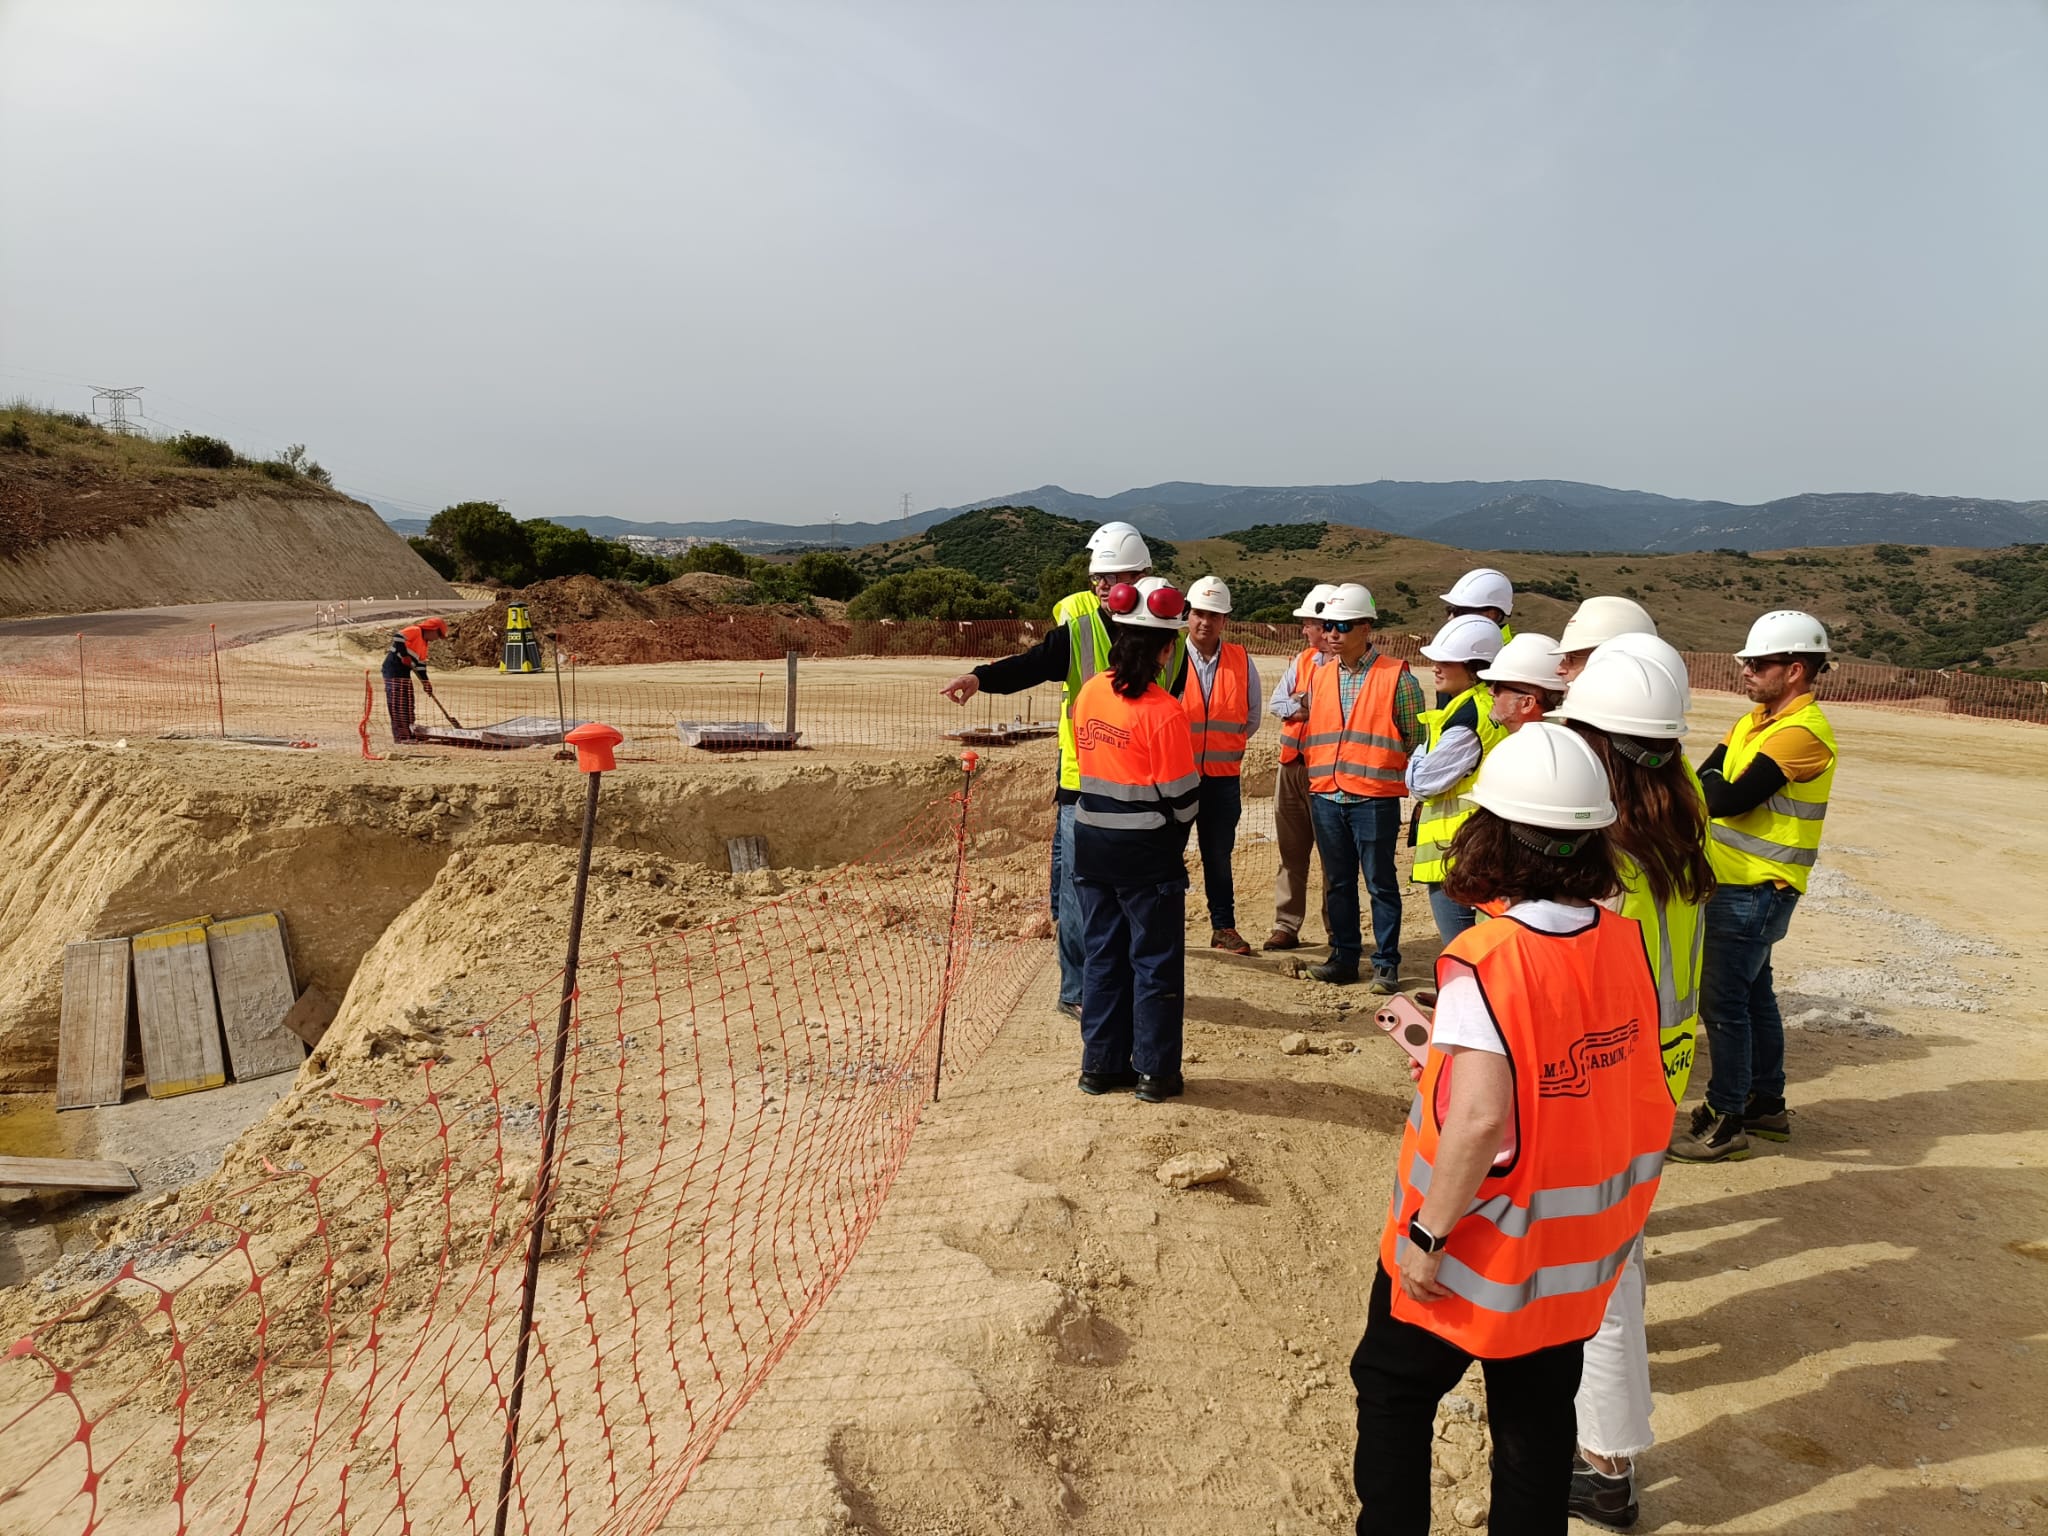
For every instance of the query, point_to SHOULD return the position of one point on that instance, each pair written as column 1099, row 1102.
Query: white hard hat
column 1108, row 533
column 1312, row 605
column 1144, row 612
column 1600, row 619
column 1210, row 594
column 1530, row 659
column 1786, row 631
column 1630, row 695
column 1650, row 648
column 1467, row 638
column 1123, row 551
column 1544, row 776
column 1483, row 588
column 1350, row 600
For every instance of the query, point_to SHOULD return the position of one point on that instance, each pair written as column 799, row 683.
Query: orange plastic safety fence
column 329, row 1347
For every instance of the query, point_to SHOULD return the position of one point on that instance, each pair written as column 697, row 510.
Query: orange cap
column 593, row 744
column 968, row 761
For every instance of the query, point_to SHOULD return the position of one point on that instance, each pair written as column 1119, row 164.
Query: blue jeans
column 1135, row 982
column 1350, row 836
column 1452, row 918
column 1738, row 1004
column 1066, row 908
column 1216, row 818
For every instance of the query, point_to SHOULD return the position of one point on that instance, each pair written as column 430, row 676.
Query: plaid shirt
column 1407, row 708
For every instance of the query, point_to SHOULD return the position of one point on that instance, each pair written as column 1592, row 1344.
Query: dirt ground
column 1847, row 1332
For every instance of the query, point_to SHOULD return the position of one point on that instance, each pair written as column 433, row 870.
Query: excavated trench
column 102, row 841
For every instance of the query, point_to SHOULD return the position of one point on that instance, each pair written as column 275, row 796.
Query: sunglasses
column 1162, row 603
column 1765, row 663
column 1341, row 626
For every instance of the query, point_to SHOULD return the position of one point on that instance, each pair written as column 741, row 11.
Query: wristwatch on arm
column 1422, row 1237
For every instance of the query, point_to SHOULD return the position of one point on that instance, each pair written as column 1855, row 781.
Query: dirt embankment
column 617, row 623
column 105, row 841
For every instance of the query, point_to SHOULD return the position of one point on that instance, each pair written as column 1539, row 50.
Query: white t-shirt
column 1462, row 1017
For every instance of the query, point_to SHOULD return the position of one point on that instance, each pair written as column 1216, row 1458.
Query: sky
column 780, row 260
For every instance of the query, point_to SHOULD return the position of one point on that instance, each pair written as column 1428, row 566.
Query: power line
column 117, row 403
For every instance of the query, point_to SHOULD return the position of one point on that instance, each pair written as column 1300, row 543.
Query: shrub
column 1056, row 581
column 277, row 469
column 203, row 452
column 14, row 435
column 1563, row 591
column 825, row 573
column 718, row 559
column 934, row 592
column 1897, row 554
column 1269, row 537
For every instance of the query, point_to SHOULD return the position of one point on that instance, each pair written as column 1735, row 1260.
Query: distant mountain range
column 1469, row 514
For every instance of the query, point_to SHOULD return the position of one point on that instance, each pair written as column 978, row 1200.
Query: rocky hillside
column 91, row 521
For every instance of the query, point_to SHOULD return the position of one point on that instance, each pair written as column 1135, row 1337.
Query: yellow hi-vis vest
column 1443, row 814
column 1088, row 654
column 1074, row 604
column 1674, row 936
column 1780, row 839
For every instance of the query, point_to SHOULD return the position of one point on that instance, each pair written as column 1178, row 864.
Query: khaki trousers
column 1296, row 835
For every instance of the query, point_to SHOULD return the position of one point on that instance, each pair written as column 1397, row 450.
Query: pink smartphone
column 1407, row 1024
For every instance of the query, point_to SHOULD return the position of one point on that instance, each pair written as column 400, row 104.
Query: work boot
column 1767, row 1118
column 1230, row 941
column 1603, row 1498
column 1385, row 982
column 1282, row 938
column 1710, row 1138
column 1108, row 1082
column 1071, row 1010
column 1157, row 1090
column 1335, row 972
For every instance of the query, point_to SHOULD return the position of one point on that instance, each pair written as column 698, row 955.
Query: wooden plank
column 66, row 1173
column 745, row 853
column 311, row 1015
column 92, row 1029
column 174, row 1009
column 252, row 977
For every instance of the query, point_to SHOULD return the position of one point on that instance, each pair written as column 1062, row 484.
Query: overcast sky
column 773, row 259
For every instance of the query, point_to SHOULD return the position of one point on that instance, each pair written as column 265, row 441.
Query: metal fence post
column 789, row 704
column 967, row 763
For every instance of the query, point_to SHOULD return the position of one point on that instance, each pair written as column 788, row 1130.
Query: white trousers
column 1614, row 1391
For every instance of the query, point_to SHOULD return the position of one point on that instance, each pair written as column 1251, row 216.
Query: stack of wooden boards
column 189, row 987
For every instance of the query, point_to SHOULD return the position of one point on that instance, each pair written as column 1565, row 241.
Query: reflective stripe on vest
column 1443, row 814
column 1088, row 654
column 1301, row 671
column 1124, row 753
column 1360, row 755
column 1780, row 839
column 1220, row 736
column 1530, row 1261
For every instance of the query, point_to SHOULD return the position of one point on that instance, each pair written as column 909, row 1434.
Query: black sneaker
column 1604, row 1499
column 1767, row 1118
column 1710, row 1138
column 1108, row 1082
column 1335, row 972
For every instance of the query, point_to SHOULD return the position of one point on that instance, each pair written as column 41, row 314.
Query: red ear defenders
column 1164, row 603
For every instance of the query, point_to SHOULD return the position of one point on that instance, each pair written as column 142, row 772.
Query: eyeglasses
column 1765, row 663
column 1163, row 602
column 1113, row 578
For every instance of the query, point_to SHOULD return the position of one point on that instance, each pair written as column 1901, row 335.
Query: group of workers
column 1598, row 900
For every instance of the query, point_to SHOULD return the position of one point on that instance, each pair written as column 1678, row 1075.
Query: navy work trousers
column 1134, row 970
column 1216, row 818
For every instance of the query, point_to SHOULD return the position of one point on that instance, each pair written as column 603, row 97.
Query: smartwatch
column 1422, row 1237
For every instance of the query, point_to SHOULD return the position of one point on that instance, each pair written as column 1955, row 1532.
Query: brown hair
column 1134, row 657
column 1661, row 823
column 1489, row 862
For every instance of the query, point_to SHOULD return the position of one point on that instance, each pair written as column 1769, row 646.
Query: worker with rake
column 406, row 659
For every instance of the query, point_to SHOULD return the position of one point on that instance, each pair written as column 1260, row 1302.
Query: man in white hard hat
column 1117, row 545
column 1364, row 718
column 1485, row 592
column 1222, row 684
column 1442, row 770
column 1596, row 621
column 1526, row 680
column 1293, row 829
column 1766, row 788
column 1070, row 654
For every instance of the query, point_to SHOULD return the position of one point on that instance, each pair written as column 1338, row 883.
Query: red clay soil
column 609, row 622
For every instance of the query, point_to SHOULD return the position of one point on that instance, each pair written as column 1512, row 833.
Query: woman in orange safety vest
column 1140, row 791
column 1532, row 1151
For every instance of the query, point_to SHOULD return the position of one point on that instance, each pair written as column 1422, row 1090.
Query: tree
column 1056, row 581
column 934, row 592
column 559, row 551
column 718, row 559
column 439, row 558
column 823, row 573
column 487, row 542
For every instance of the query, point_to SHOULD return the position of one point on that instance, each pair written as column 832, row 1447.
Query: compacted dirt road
column 1849, row 1333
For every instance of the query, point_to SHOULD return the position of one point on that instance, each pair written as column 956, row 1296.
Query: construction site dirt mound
column 612, row 622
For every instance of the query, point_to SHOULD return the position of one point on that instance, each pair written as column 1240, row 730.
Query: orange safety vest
column 1533, row 1259
column 1363, row 754
column 1221, row 723
column 1137, row 759
column 1301, row 671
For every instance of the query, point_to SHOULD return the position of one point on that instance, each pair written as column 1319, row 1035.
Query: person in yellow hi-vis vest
column 1630, row 708
column 1767, row 788
column 1114, row 542
column 1070, row 654
column 1441, row 772
column 1485, row 592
